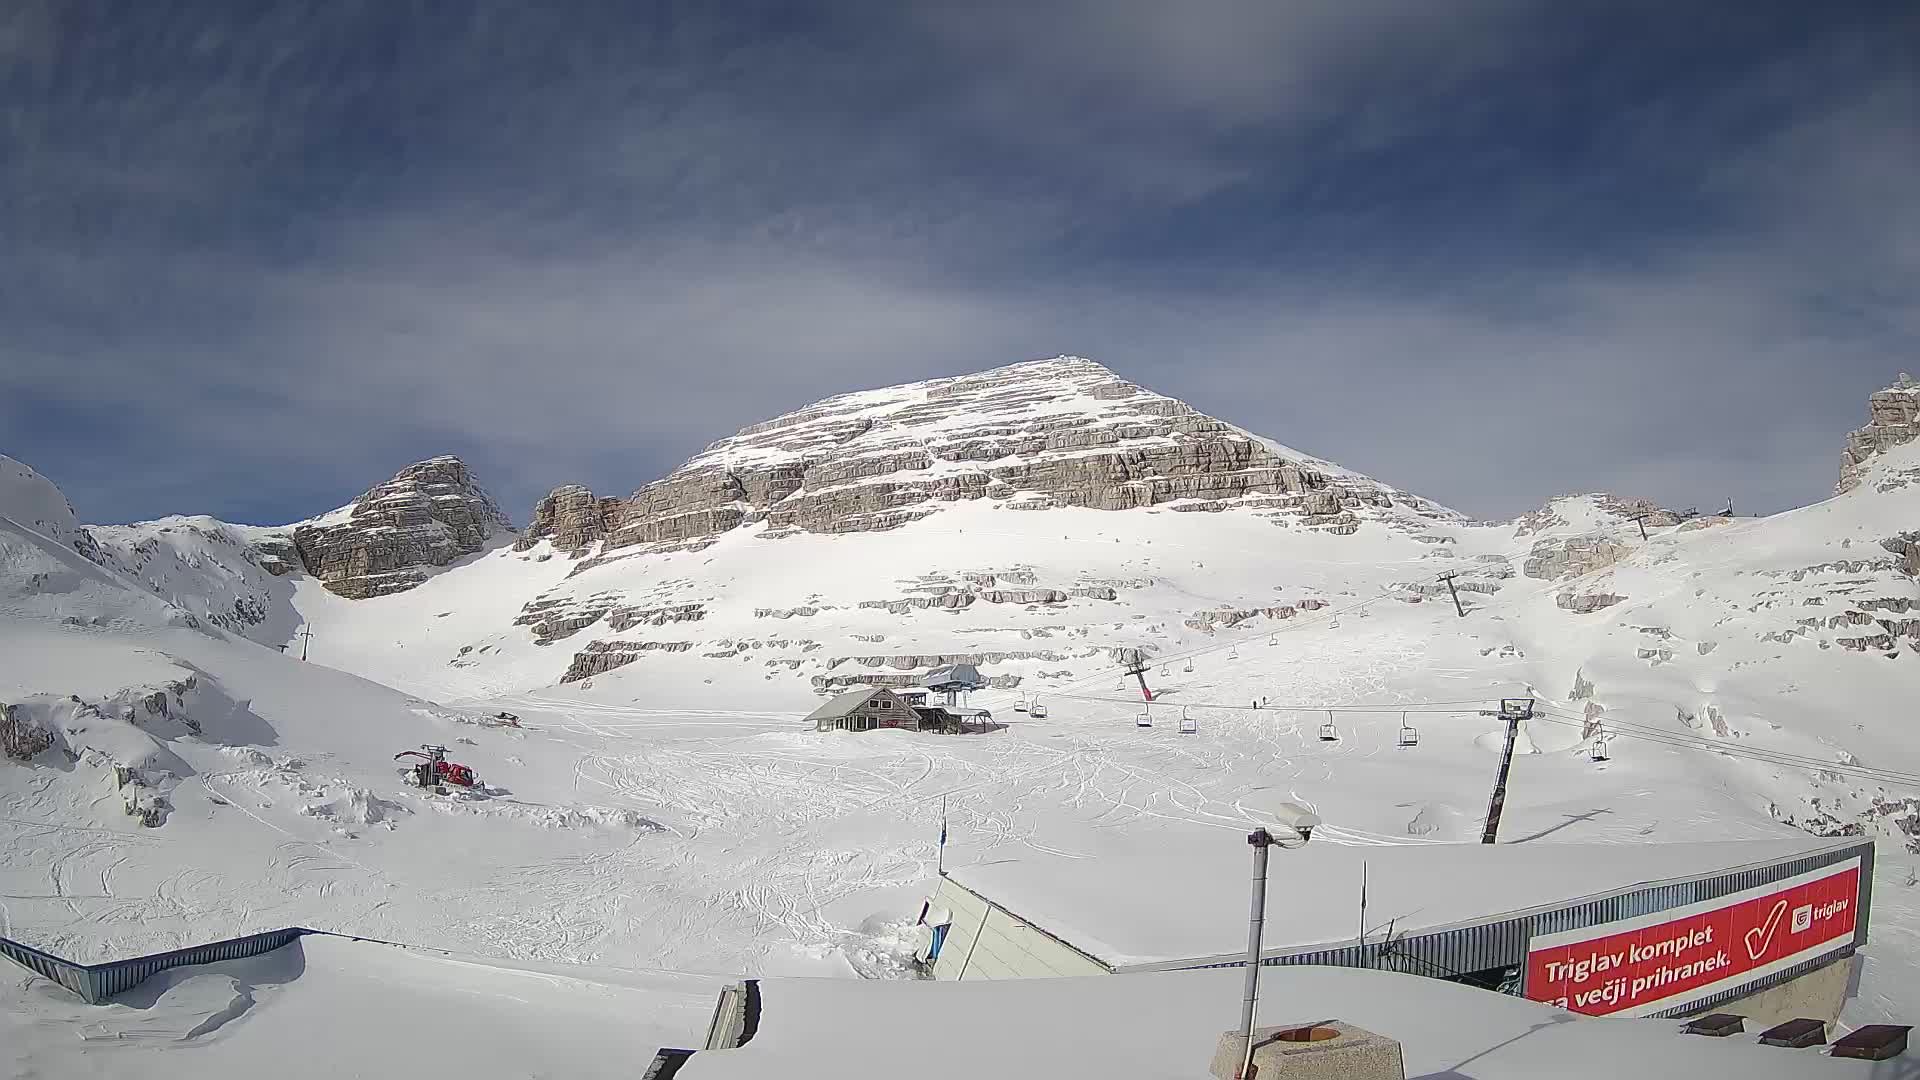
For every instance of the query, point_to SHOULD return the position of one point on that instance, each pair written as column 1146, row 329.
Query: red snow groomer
column 434, row 768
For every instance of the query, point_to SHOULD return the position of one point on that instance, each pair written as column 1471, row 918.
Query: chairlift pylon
column 1409, row 735
column 1328, row 733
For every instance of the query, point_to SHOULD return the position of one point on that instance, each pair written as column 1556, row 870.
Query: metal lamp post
column 1300, row 822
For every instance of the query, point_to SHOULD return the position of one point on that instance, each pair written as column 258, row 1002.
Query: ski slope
column 673, row 815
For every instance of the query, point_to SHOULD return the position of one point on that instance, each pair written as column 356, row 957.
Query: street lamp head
column 1296, row 818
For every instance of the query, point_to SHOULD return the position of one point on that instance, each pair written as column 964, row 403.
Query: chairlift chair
column 1188, row 725
column 1273, row 639
column 1233, row 653
column 1120, row 684
column 1038, row 712
column 1409, row 735
column 1189, row 666
column 1597, row 750
column 1022, row 705
column 1145, row 719
column 1328, row 733
column 1165, row 670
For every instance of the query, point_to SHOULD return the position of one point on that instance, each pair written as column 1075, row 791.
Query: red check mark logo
column 1761, row 937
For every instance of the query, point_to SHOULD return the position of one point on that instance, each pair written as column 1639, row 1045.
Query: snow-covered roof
column 1191, row 902
column 1167, row 1025
column 329, row 1007
column 841, row 704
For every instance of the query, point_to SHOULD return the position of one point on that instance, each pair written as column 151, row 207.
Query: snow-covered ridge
column 1065, row 432
column 32, row 501
column 428, row 515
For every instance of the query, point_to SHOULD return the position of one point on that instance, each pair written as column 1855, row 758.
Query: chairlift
column 1188, row 725
column 1272, row 640
column 1038, row 712
column 1597, row 750
column 1409, row 735
column 1119, row 684
column 1328, row 733
column 1164, row 670
column 1145, row 719
column 1022, row 706
column 1189, row 666
column 1233, row 653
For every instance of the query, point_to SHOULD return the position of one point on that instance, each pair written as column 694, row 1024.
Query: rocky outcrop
column 952, row 600
column 1225, row 617
column 1062, row 432
column 624, row 618
column 1024, row 596
column 1893, row 419
column 1624, row 508
column 21, row 737
column 908, row 661
column 1907, row 547
column 571, row 517
column 1587, row 603
column 805, row 611
column 277, row 554
column 1572, row 557
column 428, row 515
column 600, row 657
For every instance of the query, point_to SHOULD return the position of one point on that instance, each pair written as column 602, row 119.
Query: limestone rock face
column 1571, row 557
column 1049, row 433
column 428, row 515
column 1893, row 419
column 20, row 737
column 570, row 516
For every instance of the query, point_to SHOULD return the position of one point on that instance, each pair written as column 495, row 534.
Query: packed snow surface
column 1743, row 677
column 326, row 1007
column 1168, row 1024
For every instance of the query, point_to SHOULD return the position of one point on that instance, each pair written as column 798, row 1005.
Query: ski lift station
column 1601, row 929
column 872, row 708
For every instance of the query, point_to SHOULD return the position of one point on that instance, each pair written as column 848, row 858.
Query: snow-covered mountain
column 1042, row 520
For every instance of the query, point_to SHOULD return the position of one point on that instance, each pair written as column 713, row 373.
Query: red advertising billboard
column 1670, row 958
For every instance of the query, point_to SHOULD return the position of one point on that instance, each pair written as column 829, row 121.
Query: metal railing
column 95, row 983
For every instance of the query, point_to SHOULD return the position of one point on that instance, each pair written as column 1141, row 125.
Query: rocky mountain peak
column 431, row 513
column 571, row 517
column 1061, row 432
column 1893, row 419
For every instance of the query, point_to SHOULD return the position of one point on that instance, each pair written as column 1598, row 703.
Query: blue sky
column 256, row 256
